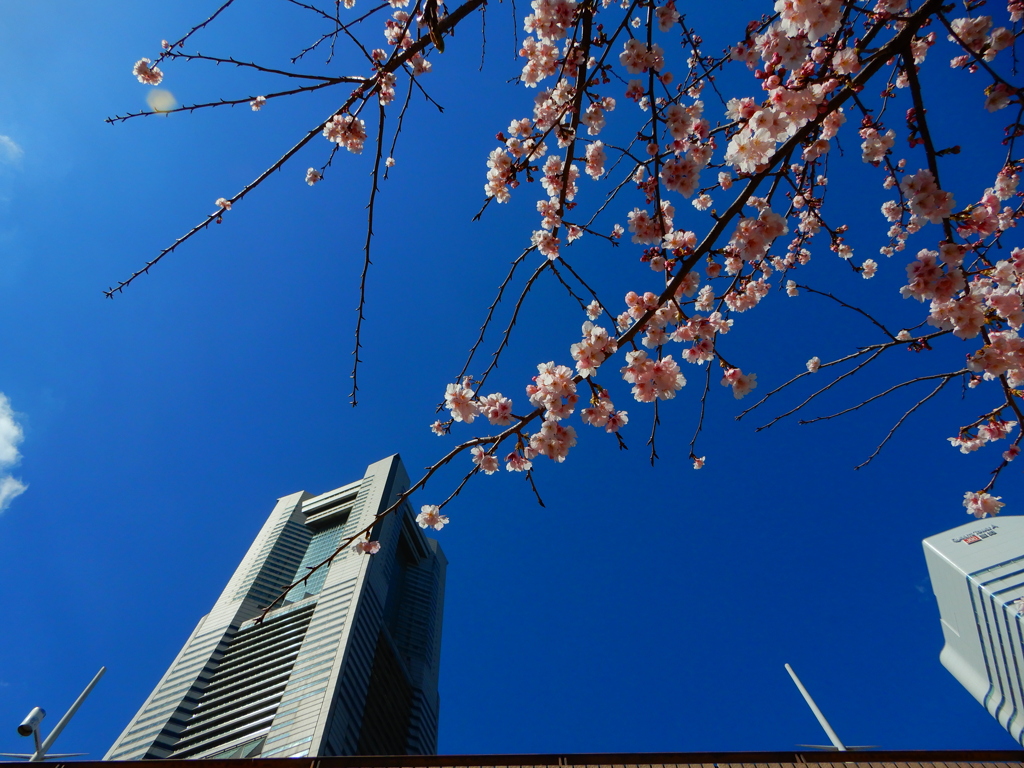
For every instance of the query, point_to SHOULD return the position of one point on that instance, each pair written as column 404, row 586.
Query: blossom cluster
column 347, row 131
column 756, row 165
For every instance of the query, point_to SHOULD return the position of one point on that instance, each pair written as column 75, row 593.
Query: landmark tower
column 346, row 664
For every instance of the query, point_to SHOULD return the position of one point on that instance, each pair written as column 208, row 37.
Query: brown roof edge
column 586, row 759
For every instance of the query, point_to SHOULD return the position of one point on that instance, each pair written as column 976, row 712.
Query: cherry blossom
column 926, row 199
column 601, row 413
column 367, row 547
column 740, row 382
column 347, row 131
column 430, row 517
column 553, row 440
column 814, row 77
column 595, row 160
column 496, row 408
column 652, row 379
column 516, row 462
column 876, row 145
column 814, row 18
column 146, row 74
column 982, row 504
column 459, row 399
column 550, row 18
column 487, row 462
column 596, row 347
column 553, row 390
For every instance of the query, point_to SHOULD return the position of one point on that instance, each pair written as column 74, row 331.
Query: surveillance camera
column 31, row 721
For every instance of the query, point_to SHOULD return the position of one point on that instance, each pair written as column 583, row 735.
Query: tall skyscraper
column 977, row 572
column 347, row 664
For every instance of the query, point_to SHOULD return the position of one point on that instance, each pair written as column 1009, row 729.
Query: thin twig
column 903, row 418
column 366, row 256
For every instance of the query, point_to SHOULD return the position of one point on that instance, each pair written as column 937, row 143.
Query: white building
column 977, row 572
column 347, row 664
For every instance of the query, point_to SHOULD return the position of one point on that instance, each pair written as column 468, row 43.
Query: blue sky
column 643, row 609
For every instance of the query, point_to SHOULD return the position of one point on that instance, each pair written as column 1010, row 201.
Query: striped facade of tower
column 977, row 574
column 346, row 664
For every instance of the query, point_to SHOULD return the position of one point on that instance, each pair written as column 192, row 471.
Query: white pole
column 833, row 737
column 48, row 742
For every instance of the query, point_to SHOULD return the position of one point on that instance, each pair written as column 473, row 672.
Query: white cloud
column 10, row 437
column 10, row 488
column 9, row 150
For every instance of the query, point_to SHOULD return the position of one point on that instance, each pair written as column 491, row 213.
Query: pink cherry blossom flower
column 313, row 176
column 927, row 280
column 875, row 145
column 487, row 462
column 146, row 74
column 347, row 131
column 459, row 400
column 594, row 119
column 814, row 18
column 966, row 316
column 596, row 347
column 667, row 16
column 998, row 96
column 497, row 408
column 223, row 203
column 973, row 32
column 430, row 517
column 367, row 547
column 546, row 243
column 982, row 504
column 846, row 62
column 554, row 390
column 616, row 421
column 602, row 413
column 257, row 103
column 553, row 440
column 996, row 429
column 517, row 463
column 698, row 462
column 439, row 428
column 550, row 19
column 596, row 157
column 814, row 364
column 966, row 442
column 1011, row 453
column 681, row 175
column 926, row 199
column 652, row 379
column 541, row 61
column 741, row 383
